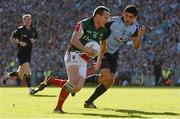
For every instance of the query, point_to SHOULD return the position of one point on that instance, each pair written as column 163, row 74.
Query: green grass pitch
column 128, row 102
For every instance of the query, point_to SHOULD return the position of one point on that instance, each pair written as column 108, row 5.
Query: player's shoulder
column 111, row 21
column 86, row 21
column 20, row 27
column 114, row 18
column 135, row 24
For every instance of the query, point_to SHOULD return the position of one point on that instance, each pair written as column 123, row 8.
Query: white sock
column 8, row 75
column 30, row 89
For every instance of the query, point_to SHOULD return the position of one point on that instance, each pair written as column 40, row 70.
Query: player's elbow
column 137, row 44
column 136, row 47
column 13, row 40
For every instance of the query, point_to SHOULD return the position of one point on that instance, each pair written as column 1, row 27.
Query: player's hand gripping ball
column 95, row 46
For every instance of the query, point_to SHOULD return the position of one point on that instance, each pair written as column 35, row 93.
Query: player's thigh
column 109, row 81
column 105, row 75
column 20, row 71
column 79, row 84
column 76, row 67
column 112, row 78
column 26, row 67
column 82, row 74
column 73, row 74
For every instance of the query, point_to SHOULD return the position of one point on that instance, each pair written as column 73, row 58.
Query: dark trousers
column 157, row 79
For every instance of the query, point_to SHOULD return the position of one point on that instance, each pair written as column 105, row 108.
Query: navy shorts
column 24, row 57
column 110, row 61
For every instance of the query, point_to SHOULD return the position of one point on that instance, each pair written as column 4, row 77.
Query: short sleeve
column 79, row 28
column 15, row 34
column 135, row 34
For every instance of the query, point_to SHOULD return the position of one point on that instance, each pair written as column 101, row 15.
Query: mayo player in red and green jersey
column 90, row 29
column 86, row 30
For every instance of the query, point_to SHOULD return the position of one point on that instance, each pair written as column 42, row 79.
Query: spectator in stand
column 162, row 30
column 166, row 77
column 157, row 63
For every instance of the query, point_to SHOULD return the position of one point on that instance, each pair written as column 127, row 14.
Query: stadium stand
column 55, row 21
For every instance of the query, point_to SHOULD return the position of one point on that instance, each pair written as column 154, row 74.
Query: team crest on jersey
column 88, row 31
column 95, row 35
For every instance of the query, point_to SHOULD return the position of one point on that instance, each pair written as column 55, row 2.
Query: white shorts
column 74, row 58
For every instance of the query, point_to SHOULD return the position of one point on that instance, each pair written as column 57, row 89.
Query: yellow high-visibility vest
column 166, row 73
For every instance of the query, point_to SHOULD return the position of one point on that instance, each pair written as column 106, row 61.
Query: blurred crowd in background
column 55, row 21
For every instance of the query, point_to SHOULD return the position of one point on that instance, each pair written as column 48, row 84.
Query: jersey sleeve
column 111, row 20
column 135, row 34
column 106, row 35
column 15, row 34
column 108, row 24
column 79, row 27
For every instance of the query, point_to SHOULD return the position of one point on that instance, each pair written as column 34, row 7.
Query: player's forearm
column 78, row 44
column 102, row 50
column 136, row 42
column 14, row 40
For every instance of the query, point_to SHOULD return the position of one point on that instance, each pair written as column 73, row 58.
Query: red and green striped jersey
column 86, row 27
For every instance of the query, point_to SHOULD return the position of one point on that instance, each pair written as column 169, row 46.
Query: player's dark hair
column 131, row 9
column 100, row 10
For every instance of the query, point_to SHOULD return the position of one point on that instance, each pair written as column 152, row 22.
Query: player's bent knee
column 100, row 79
column 76, row 89
column 104, row 78
column 74, row 78
column 111, row 80
column 26, row 76
column 108, row 84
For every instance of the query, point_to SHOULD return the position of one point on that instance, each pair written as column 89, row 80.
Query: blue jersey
column 118, row 29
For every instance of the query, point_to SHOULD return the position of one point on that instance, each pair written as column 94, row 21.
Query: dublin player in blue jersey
column 122, row 29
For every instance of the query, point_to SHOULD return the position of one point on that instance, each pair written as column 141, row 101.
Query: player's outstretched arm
column 136, row 40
